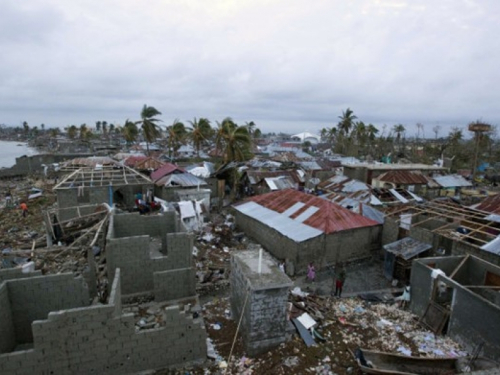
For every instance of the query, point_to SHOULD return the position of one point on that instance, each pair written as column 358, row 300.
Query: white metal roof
column 398, row 196
column 454, row 180
column 280, row 222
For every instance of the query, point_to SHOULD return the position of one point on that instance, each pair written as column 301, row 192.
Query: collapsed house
column 459, row 296
column 449, row 227
column 94, row 186
column 303, row 228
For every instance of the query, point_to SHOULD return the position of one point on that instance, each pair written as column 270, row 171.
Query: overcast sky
column 287, row 65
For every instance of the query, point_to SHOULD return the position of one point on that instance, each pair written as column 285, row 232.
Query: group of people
column 10, row 204
column 338, row 280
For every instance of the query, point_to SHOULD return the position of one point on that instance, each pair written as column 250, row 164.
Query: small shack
column 399, row 255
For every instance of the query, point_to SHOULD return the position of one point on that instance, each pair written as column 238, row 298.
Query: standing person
column 8, row 199
column 340, row 277
column 24, row 208
column 311, row 272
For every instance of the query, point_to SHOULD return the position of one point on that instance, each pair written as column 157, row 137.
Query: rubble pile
column 340, row 327
column 150, row 314
column 213, row 247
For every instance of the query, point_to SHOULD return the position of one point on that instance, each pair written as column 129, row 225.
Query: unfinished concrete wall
column 461, row 248
column 7, row 335
column 422, row 283
column 261, row 298
column 16, row 273
column 473, row 321
column 133, row 255
column 94, row 195
column 128, row 225
column 101, row 340
column 390, row 232
column 33, row 298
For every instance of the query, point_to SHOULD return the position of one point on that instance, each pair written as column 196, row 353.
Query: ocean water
column 9, row 151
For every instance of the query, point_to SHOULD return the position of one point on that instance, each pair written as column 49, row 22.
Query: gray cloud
column 288, row 65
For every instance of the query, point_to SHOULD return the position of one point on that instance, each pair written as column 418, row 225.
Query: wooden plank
column 459, row 266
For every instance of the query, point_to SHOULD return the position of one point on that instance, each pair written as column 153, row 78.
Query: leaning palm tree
column 199, row 132
column 148, row 124
column 130, row 131
column 237, row 144
column 223, row 128
column 176, row 134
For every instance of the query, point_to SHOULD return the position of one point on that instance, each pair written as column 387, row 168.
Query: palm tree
column 130, row 131
column 223, row 128
column 72, row 131
column 148, row 124
column 372, row 132
column 98, row 127
column 26, row 128
column 237, row 143
column 84, row 132
column 399, row 129
column 199, row 132
column 176, row 134
column 346, row 121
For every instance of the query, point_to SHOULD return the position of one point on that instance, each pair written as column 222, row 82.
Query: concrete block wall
column 473, row 321
column 261, row 299
column 461, row 248
column 16, row 273
column 139, row 269
column 101, row 339
column 174, row 284
column 33, row 298
column 352, row 245
column 128, row 225
column 390, row 232
column 7, row 336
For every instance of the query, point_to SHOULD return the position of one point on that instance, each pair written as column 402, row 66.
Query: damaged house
column 303, row 228
column 459, row 296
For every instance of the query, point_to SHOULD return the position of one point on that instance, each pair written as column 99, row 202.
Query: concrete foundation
column 261, row 298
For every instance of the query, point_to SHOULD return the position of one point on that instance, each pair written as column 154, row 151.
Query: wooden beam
column 459, row 266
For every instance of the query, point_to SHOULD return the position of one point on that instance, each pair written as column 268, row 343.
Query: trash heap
column 337, row 328
column 212, row 253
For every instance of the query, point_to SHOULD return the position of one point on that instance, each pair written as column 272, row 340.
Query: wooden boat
column 374, row 362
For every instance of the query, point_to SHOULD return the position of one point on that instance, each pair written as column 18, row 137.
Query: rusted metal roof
column 92, row 161
column 149, row 163
column 490, row 204
column 166, row 169
column 131, row 161
column 403, row 177
column 327, row 216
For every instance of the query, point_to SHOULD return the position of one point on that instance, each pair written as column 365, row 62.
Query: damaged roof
column 257, row 176
column 312, row 211
column 407, row 247
column 164, row 170
column 453, row 180
column 403, row 177
column 180, row 179
column 490, row 204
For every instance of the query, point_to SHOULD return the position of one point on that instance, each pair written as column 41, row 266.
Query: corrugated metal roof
column 280, row 183
column 165, row 170
column 407, row 247
column 454, row 180
column 257, row 176
column 329, row 218
column 490, row 204
column 343, row 184
column 289, row 228
column 306, row 214
column 493, row 217
column 149, row 163
column 180, row 179
column 293, row 209
column 403, row 177
column 398, row 196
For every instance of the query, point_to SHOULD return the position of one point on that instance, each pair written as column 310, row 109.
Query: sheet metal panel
column 452, row 181
column 492, row 246
column 306, row 214
column 398, row 196
column 290, row 211
column 283, row 224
